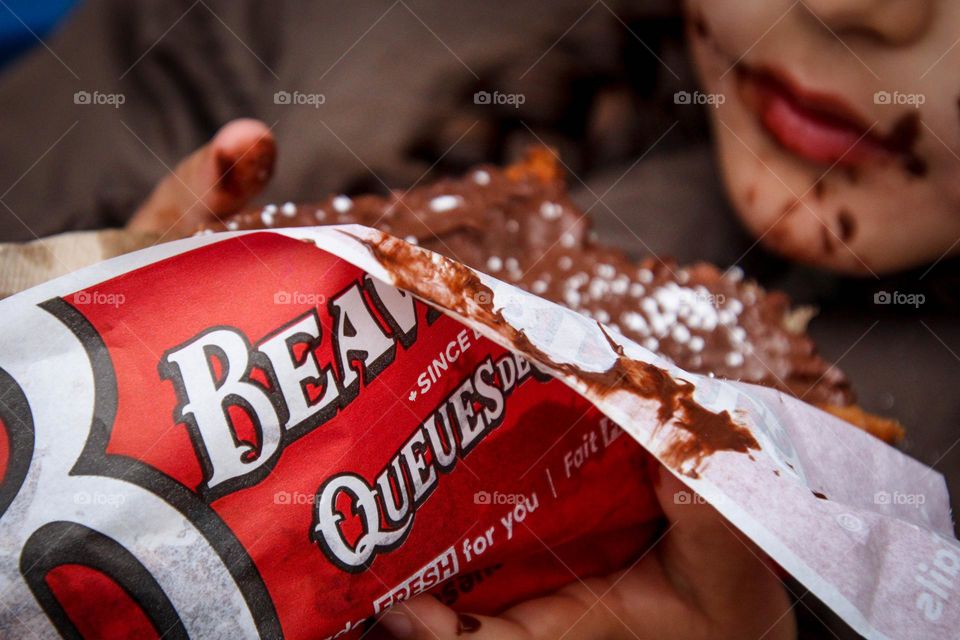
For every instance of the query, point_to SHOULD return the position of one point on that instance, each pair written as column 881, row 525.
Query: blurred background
column 100, row 98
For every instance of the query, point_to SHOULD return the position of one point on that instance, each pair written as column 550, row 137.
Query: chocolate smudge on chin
column 915, row 166
column 902, row 139
column 458, row 288
column 700, row 25
column 848, row 225
column 826, row 241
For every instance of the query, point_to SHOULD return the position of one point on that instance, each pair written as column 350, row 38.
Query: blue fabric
column 39, row 16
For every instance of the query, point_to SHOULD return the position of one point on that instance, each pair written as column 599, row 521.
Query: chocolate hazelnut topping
column 519, row 225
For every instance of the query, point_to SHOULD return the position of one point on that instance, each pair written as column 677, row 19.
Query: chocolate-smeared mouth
column 819, row 127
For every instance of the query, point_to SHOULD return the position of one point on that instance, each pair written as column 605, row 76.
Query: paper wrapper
column 255, row 434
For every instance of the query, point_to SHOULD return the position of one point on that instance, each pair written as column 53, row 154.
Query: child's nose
column 895, row 22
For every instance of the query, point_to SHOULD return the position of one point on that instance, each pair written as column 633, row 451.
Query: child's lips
column 818, row 127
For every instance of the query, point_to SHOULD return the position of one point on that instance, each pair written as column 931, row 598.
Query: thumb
column 218, row 179
column 715, row 564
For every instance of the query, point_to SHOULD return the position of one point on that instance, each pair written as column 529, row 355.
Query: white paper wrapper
column 867, row 529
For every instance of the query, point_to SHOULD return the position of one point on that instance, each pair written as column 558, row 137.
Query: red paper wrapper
column 340, row 446
column 258, row 435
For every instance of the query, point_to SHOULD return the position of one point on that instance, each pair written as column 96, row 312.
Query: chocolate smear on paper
column 454, row 286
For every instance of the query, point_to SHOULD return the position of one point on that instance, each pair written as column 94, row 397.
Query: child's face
column 839, row 132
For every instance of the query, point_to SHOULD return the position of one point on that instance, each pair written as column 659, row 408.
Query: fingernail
column 398, row 624
column 467, row 624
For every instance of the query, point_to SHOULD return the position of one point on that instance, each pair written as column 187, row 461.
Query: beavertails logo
column 281, row 388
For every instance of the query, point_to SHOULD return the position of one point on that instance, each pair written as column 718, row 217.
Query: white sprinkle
column 572, row 298
column 513, row 226
column 565, row 263
column 494, row 263
column 620, row 285
column 597, row 288
column 412, row 239
column 606, row 271
column 649, row 305
column 319, row 214
column 645, row 276
column 683, row 277
column 651, row 343
column 602, row 315
column 267, row 215
column 481, row 177
column 550, row 210
column 289, row 209
column 538, row 286
column 233, row 225
column 734, row 359
column 445, row 203
column 735, row 306
column 735, row 274
column 567, row 240
column 512, row 264
column 342, row 204
column 680, row 333
column 696, row 344
column 660, row 325
column 636, row 290
column 634, row 321
column 738, row 334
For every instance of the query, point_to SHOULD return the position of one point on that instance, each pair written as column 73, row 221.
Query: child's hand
column 701, row 580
